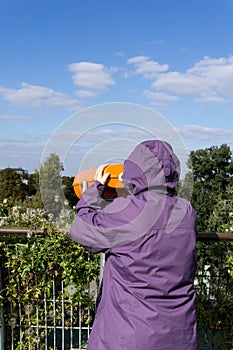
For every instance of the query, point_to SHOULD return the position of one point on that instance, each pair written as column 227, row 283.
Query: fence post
column 1, row 316
column 102, row 262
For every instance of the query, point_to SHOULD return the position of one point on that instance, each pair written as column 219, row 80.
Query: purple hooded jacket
column 147, row 298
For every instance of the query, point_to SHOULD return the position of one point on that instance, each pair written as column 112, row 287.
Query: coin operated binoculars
column 114, row 187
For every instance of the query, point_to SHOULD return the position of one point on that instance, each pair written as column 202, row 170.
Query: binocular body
column 85, row 179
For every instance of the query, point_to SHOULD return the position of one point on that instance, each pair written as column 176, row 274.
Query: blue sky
column 59, row 58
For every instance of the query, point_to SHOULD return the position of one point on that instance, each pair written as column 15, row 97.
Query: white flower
column 57, row 198
column 71, row 289
column 13, row 322
column 51, row 314
column 28, row 309
column 37, row 339
column 29, row 331
column 50, row 216
column 4, row 201
column 42, row 334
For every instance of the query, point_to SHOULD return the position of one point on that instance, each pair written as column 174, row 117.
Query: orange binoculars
column 85, row 179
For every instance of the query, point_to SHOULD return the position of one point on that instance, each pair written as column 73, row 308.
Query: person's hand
column 100, row 176
column 120, row 177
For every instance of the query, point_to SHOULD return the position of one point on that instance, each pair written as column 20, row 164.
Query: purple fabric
column 147, row 298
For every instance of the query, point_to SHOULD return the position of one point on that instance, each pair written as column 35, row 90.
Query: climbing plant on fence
column 214, row 288
column 32, row 269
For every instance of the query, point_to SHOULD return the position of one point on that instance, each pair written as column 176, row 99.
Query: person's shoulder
column 118, row 204
column 185, row 205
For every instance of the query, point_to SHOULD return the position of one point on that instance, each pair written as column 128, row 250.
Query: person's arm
column 85, row 229
column 124, row 220
column 92, row 199
column 88, row 205
column 99, row 227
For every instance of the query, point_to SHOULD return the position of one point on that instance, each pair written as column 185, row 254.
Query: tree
column 212, row 170
column 67, row 184
column 33, row 187
column 212, row 199
column 51, row 185
column 221, row 219
column 13, row 186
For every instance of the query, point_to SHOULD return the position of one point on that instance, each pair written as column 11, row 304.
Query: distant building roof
column 20, row 171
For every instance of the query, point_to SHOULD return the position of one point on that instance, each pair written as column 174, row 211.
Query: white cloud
column 107, row 141
column 218, row 72
column 33, row 96
column 24, row 139
column 26, row 155
column 180, row 84
column 120, row 54
column 148, row 68
column 86, row 93
column 14, row 117
column 208, row 80
column 91, row 78
column 202, row 133
column 161, row 96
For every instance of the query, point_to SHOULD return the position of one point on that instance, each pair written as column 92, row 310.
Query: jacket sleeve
column 89, row 203
column 91, row 199
column 97, row 226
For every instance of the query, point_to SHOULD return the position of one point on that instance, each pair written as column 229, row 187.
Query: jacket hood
column 151, row 165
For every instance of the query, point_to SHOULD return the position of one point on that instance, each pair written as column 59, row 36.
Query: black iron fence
column 214, row 287
column 55, row 322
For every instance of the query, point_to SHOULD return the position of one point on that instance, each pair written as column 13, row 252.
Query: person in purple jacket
column 147, row 297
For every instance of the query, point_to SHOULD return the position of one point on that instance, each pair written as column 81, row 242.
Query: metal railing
column 214, row 289
column 64, row 325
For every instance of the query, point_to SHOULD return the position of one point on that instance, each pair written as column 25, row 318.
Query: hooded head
column 152, row 164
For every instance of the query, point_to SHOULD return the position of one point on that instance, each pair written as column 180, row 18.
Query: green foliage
column 214, row 288
column 212, row 197
column 185, row 187
column 51, row 185
column 67, row 184
column 37, row 269
column 221, row 219
column 34, row 198
column 13, row 186
column 38, row 266
column 45, row 188
column 212, row 170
